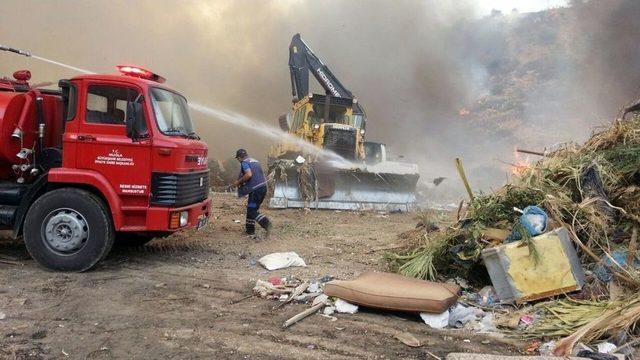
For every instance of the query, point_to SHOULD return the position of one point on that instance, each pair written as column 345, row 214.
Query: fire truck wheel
column 68, row 230
column 136, row 239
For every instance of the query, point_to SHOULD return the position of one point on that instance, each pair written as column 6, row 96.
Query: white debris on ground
column 606, row 347
column 345, row 307
column 281, row 260
column 436, row 321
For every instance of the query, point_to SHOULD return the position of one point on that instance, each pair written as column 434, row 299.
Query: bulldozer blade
column 344, row 189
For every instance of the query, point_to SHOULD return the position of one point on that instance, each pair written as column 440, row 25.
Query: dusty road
column 185, row 297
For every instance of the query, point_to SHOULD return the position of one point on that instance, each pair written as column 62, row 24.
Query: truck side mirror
column 136, row 126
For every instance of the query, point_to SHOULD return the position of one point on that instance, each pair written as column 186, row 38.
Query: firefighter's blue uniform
column 256, row 188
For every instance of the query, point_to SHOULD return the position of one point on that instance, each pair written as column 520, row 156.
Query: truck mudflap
column 389, row 188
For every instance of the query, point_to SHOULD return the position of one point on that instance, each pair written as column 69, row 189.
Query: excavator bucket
column 384, row 187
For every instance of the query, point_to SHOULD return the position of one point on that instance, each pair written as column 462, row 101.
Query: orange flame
column 521, row 164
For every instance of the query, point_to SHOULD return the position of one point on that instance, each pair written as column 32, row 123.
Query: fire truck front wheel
column 68, row 230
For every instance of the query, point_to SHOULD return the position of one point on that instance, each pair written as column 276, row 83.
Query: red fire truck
column 104, row 156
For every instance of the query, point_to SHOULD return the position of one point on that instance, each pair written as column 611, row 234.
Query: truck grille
column 179, row 189
column 341, row 141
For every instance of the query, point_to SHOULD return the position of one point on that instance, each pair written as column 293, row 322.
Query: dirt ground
column 188, row 296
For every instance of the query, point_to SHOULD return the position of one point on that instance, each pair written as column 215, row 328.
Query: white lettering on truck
column 133, row 189
column 114, row 158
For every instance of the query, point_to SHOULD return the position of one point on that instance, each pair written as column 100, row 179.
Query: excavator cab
column 341, row 132
column 312, row 110
column 337, row 114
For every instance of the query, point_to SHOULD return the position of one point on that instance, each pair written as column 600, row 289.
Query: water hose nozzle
column 19, row 52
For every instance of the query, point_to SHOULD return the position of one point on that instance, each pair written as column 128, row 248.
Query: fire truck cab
column 103, row 156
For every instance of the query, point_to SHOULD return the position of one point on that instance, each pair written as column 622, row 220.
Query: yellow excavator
column 325, row 162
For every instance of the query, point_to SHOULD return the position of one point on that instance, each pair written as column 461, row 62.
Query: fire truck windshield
column 171, row 113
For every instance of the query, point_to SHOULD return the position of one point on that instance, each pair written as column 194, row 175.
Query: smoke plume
column 413, row 65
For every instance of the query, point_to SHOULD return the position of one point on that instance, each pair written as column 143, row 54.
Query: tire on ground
column 100, row 233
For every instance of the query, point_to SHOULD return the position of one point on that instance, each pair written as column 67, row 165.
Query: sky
column 485, row 6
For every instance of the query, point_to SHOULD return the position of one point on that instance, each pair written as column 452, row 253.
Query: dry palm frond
column 618, row 316
column 584, row 321
column 420, row 264
column 423, row 261
column 564, row 317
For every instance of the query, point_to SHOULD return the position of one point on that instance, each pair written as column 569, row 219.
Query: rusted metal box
column 516, row 276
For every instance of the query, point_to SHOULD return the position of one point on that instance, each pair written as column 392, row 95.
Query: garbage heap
column 592, row 193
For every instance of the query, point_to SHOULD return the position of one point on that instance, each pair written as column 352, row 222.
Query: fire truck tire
column 135, row 239
column 68, row 230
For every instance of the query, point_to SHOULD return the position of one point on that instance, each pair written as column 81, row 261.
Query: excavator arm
column 302, row 61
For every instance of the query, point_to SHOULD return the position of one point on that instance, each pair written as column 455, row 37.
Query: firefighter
column 252, row 182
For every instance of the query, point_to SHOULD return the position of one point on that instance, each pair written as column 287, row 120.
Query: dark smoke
column 412, row 64
column 610, row 53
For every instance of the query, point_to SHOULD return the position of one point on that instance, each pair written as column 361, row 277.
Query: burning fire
column 521, row 164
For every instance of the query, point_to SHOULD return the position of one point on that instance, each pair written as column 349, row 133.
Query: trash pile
column 291, row 289
column 385, row 291
column 565, row 229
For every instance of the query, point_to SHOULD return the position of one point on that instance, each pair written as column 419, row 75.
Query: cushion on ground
column 395, row 292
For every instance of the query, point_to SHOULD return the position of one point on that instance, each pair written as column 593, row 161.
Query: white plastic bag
column 345, row 307
column 460, row 315
column 436, row 321
column 606, row 347
column 281, row 260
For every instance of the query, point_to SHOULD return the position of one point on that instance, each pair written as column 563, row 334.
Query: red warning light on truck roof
column 139, row 72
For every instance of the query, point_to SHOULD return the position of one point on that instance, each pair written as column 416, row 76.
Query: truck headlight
column 184, row 218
